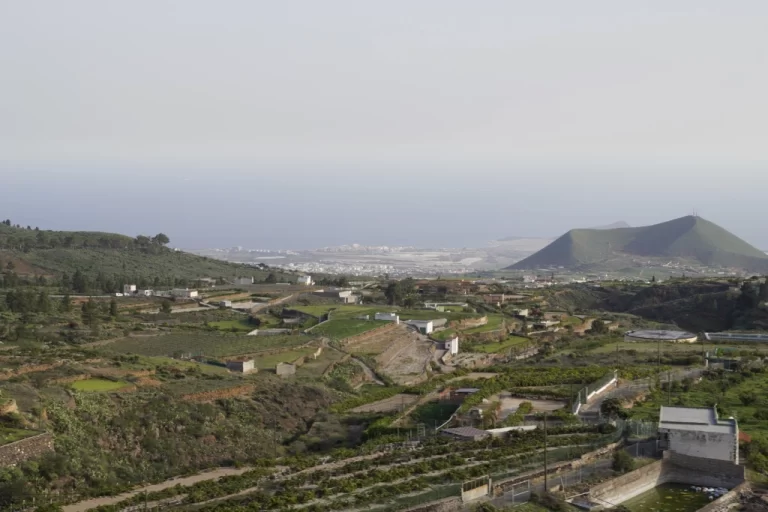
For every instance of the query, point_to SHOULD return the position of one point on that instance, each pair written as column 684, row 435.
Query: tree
column 653, row 279
column 165, row 307
column 79, row 282
column 161, row 239
column 271, row 278
column 66, row 304
column 43, row 302
column 598, row 327
column 89, row 312
column 113, row 308
column 612, row 408
column 623, row 462
column 394, row 293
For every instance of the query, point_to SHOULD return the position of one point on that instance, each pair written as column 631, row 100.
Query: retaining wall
column 723, row 502
column 368, row 334
column 447, row 505
column 468, row 323
column 673, row 468
column 30, row 448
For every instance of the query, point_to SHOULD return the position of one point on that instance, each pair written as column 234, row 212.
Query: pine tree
column 113, row 308
column 66, row 304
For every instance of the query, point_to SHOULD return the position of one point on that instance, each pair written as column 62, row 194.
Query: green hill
column 687, row 238
column 53, row 253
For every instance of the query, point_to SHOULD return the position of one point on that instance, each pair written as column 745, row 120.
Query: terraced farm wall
column 30, row 448
column 334, row 364
column 468, row 323
column 208, row 396
column 29, row 369
column 368, row 334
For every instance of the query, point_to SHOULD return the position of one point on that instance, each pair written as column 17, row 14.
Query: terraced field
column 208, row 344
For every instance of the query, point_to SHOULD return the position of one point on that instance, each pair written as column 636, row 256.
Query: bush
column 623, row 462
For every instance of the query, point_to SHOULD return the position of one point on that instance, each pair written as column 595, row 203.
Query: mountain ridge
column 686, row 238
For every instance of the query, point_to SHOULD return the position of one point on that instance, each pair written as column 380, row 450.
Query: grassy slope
column 121, row 257
column 688, row 237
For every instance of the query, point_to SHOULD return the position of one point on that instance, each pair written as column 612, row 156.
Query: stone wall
column 724, row 502
column 447, row 505
column 468, row 323
column 369, row 334
column 30, row 448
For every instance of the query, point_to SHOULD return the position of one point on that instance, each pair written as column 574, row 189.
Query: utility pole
column 546, row 481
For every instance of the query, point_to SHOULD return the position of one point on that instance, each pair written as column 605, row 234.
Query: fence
column 590, row 390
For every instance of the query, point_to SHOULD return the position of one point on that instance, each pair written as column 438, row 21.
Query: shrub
column 623, row 462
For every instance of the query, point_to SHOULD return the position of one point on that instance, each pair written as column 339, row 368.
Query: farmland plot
column 208, row 344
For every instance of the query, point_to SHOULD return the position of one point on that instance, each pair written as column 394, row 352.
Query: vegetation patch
column 208, row 344
column 501, row 346
column 11, row 435
column 233, row 325
column 99, row 385
column 344, row 328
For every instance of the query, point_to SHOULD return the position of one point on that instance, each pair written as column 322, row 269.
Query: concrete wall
column 724, row 501
column 285, row 369
column 477, row 492
column 630, row 485
column 30, row 448
column 704, row 472
column 710, row 445
column 674, row 468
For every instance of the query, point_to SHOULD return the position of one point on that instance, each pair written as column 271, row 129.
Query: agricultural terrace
column 234, row 325
column 271, row 360
column 344, row 328
column 208, row 344
column 495, row 347
column 738, row 394
column 98, row 385
column 11, row 435
column 494, row 324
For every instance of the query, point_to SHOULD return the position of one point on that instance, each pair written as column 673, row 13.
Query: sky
column 300, row 124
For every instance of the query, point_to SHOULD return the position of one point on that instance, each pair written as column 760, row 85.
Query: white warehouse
column 452, row 345
column 184, row 293
column 698, row 432
column 387, row 317
column 305, row 280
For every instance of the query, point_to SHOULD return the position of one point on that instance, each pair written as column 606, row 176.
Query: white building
column 305, row 280
column 423, row 326
column 452, row 345
column 129, row 289
column 243, row 280
column 145, row 293
column 698, row 432
column 184, row 293
column 387, row 317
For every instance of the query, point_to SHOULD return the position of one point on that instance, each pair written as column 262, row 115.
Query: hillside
column 687, row 238
column 54, row 253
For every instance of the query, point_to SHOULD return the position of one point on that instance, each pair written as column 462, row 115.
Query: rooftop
column 702, row 419
column 661, row 335
column 466, row 432
column 467, row 390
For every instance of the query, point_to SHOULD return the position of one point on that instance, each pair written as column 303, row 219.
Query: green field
column 339, row 310
column 270, row 361
column 677, row 348
column 208, row 344
column 735, row 395
column 343, row 328
column 11, row 435
column 95, row 385
column 241, row 325
column 496, row 347
column 444, row 334
column 494, row 324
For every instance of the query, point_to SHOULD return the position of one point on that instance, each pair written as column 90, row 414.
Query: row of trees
column 26, row 240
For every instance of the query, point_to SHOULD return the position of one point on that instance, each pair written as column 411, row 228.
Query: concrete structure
column 494, row 298
column 241, row 366
column 387, row 317
column 423, row 326
column 243, row 281
column 343, row 296
column 465, row 433
column 452, row 345
column 698, row 432
column 646, row 336
column 184, row 293
column 225, row 304
column 129, row 289
column 285, row 369
column 145, row 293
column 521, row 312
column 498, row 432
column 458, row 395
column 162, row 293
column 735, row 336
column 305, row 280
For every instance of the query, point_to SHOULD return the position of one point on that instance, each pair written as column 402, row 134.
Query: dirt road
column 189, row 480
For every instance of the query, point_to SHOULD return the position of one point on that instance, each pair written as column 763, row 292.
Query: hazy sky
column 296, row 124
